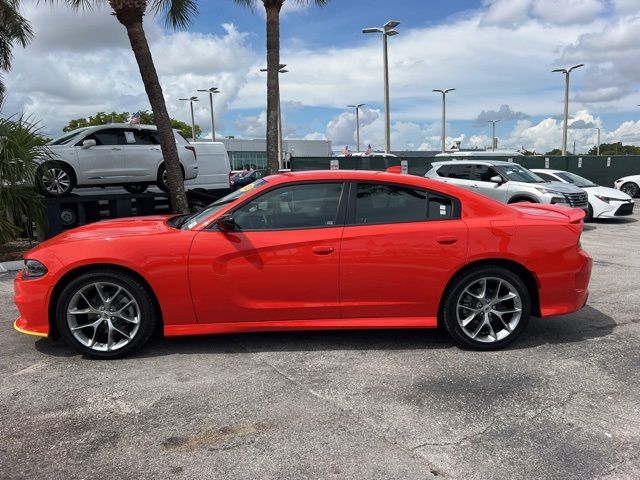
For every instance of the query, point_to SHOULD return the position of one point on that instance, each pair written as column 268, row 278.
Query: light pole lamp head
column 210, row 90
column 443, row 90
column 373, row 30
column 359, row 105
column 391, row 33
column 391, row 24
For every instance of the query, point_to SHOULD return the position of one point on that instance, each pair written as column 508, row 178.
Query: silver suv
column 114, row 154
column 507, row 182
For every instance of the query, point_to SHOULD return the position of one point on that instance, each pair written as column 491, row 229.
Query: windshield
column 192, row 220
column 65, row 138
column 577, row 180
column 520, row 174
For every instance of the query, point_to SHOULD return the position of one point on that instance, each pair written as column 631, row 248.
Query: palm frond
column 177, row 14
column 14, row 29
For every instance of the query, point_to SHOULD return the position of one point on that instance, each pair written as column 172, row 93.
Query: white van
column 214, row 167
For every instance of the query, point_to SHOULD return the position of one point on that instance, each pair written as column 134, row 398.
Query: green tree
column 14, row 29
column 177, row 14
column 615, row 149
column 272, row 8
column 146, row 118
column 556, row 152
column 19, row 147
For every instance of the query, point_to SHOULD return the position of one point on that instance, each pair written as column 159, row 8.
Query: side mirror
column 497, row 179
column 89, row 143
column 226, row 223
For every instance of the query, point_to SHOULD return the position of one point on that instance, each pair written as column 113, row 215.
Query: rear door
column 103, row 163
column 399, row 249
column 142, row 155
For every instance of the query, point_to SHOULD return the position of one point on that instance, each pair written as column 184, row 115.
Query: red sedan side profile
column 310, row 250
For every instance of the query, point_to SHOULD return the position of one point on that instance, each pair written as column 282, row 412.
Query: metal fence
column 601, row 170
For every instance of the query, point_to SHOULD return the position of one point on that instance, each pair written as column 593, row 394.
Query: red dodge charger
column 310, row 250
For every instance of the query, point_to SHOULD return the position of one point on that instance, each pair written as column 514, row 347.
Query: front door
column 104, row 162
column 281, row 262
column 399, row 249
column 482, row 175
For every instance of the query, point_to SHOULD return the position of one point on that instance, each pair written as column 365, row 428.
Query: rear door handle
column 322, row 250
column 116, row 148
column 447, row 240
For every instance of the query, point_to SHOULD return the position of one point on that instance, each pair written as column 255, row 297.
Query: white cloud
column 252, row 126
column 563, row 12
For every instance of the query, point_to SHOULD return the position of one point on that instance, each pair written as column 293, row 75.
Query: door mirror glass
column 497, row 179
column 89, row 143
column 227, row 223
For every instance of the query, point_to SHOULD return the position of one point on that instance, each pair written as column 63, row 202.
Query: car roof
column 546, row 170
column 474, row 162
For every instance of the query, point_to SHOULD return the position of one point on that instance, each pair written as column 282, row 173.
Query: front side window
column 109, row 136
column 484, row 173
column 381, row 203
column 292, row 207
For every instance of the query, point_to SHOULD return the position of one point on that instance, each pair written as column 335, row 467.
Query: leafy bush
column 19, row 150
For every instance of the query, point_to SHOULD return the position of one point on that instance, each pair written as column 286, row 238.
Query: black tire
column 144, row 306
column 135, row 188
column 630, row 188
column 456, row 294
column 68, row 215
column 589, row 216
column 55, row 180
column 162, row 178
column 522, row 200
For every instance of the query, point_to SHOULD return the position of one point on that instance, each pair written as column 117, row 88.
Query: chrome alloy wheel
column 103, row 316
column 55, row 180
column 489, row 309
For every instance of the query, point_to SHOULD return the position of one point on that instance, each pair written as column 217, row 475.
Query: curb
column 11, row 266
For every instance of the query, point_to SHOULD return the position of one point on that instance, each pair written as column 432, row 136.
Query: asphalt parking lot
column 563, row 402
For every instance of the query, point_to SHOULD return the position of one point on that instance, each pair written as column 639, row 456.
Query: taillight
column 193, row 149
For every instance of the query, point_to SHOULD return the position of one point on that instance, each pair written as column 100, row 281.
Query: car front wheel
column 106, row 314
column 631, row 189
column 163, row 180
column 55, row 180
column 486, row 308
column 136, row 188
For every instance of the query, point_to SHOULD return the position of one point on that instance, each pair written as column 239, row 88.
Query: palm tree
column 272, row 8
column 177, row 14
column 20, row 150
column 14, row 28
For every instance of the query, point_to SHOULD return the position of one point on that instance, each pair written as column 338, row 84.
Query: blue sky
column 497, row 53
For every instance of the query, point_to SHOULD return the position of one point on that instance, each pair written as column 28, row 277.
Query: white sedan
column 604, row 202
column 629, row 185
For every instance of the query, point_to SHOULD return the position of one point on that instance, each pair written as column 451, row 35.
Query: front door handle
column 474, row 186
column 322, row 250
column 116, row 148
column 447, row 240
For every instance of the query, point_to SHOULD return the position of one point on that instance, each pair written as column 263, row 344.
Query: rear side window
column 443, row 171
column 108, row 136
column 382, row 203
column 462, row 171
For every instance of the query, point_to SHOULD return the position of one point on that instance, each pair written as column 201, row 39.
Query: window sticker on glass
column 443, row 210
column 129, row 137
column 248, row 187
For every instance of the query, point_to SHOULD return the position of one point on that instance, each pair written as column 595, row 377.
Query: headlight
column 608, row 199
column 548, row 190
column 33, row 269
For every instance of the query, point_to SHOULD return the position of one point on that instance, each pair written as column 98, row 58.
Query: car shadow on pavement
column 586, row 324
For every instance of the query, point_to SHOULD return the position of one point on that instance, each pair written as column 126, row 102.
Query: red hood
column 119, row 227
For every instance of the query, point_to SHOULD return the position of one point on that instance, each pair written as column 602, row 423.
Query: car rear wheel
column 136, row 188
column 106, row 314
column 55, row 179
column 486, row 308
column 163, row 180
column 631, row 189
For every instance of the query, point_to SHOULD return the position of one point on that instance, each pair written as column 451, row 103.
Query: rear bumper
column 566, row 292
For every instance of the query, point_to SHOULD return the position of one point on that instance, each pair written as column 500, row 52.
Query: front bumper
column 616, row 209
column 32, row 297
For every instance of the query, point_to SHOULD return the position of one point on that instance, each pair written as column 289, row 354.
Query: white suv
column 114, row 154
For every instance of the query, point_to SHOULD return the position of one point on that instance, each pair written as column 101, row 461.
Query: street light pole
column 387, row 30
column 211, row 91
column 598, row 146
column 281, row 69
column 444, row 92
column 566, row 72
column 493, row 138
column 193, row 120
column 357, row 107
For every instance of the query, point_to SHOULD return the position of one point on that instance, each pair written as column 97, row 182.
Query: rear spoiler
column 575, row 215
